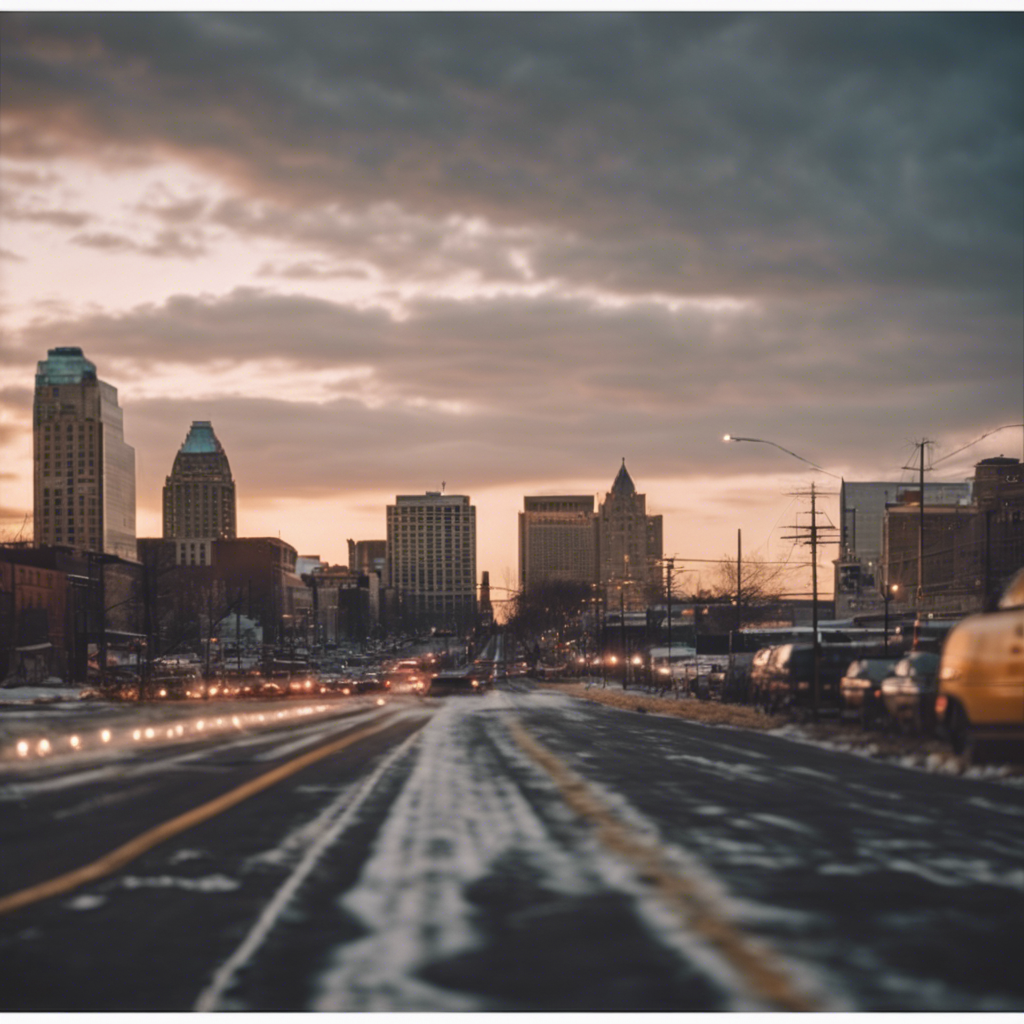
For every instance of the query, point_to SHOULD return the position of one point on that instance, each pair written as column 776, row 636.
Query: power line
column 1006, row 426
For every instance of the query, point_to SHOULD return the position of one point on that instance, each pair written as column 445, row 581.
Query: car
column 370, row 681
column 457, row 681
column 981, row 677
column 785, row 681
column 758, row 677
column 406, row 676
column 860, row 689
column 908, row 694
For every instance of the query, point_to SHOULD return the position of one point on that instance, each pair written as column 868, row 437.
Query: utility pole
column 146, row 669
column 238, row 634
column 920, row 445
column 810, row 535
column 103, row 624
column 209, row 625
column 669, row 566
column 622, row 634
column 920, row 527
column 739, row 578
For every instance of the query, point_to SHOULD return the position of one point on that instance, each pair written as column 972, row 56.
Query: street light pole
column 622, row 634
column 761, row 440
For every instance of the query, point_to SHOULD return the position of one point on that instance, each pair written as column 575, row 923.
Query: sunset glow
column 533, row 247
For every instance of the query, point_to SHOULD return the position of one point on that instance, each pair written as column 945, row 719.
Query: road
column 516, row 851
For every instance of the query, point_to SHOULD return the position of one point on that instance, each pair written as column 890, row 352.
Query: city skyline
column 380, row 252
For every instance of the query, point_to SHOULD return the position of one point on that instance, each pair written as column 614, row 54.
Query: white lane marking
column 87, row 901
column 208, row 883
column 210, row 997
column 316, row 734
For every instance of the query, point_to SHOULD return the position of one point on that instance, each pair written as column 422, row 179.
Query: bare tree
column 764, row 584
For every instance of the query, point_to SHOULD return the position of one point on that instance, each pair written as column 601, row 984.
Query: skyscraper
column 629, row 542
column 84, row 486
column 557, row 540
column 431, row 560
column 199, row 497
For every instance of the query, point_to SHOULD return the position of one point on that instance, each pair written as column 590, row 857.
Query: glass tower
column 84, row 480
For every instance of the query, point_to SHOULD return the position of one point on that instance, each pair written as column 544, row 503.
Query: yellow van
column 981, row 675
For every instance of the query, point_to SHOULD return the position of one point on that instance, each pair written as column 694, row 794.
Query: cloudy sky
column 503, row 251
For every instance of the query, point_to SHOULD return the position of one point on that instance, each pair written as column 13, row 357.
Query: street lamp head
column 727, row 437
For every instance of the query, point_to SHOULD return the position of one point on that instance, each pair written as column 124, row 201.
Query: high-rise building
column 431, row 558
column 199, row 497
column 84, row 487
column 629, row 542
column 557, row 540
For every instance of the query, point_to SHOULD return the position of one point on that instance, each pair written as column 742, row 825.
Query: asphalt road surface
column 519, row 850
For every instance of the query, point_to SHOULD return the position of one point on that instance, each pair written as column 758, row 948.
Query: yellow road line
column 118, row 858
column 754, row 965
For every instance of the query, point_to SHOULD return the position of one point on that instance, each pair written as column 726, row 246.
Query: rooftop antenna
column 442, row 486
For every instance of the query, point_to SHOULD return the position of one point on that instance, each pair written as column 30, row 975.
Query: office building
column 84, row 480
column 557, row 540
column 367, row 556
column 199, row 497
column 431, row 559
column 255, row 575
column 969, row 550
column 862, row 505
column 629, row 545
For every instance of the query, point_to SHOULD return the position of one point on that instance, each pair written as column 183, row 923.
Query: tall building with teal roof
column 199, row 497
column 84, row 472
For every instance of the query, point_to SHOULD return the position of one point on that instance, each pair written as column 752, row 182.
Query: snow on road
column 469, row 816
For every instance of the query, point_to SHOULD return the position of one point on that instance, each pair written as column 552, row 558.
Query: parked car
column 981, row 676
column 909, row 692
column 860, row 689
column 788, row 676
column 758, row 677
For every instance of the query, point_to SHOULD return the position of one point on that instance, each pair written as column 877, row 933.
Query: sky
column 389, row 252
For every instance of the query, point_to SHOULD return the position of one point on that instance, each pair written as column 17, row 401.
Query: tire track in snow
column 330, row 824
column 475, row 800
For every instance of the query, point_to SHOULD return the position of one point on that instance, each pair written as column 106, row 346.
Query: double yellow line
column 754, row 965
column 118, row 858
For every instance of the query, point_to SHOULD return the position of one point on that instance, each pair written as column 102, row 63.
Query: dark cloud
column 165, row 244
column 546, row 388
column 175, row 211
column 855, row 179
column 709, row 149
column 59, row 218
column 305, row 271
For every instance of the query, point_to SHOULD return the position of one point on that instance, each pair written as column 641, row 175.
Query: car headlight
column 475, row 682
